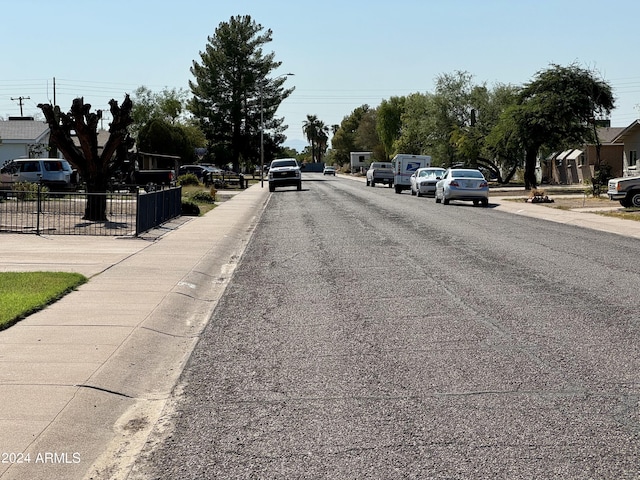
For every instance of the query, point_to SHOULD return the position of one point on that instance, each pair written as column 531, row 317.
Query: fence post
column 39, row 203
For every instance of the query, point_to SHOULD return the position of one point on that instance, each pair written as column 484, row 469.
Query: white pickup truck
column 380, row 172
column 626, row 190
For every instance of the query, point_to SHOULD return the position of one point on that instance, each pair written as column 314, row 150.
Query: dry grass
column 576, row 202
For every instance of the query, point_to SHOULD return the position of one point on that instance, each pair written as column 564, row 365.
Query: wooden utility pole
column 20, row 99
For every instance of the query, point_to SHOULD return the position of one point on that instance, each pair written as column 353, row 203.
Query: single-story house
column 629, row 138
column 23, row 137
column 619, row 148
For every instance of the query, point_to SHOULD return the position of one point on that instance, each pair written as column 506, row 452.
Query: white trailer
column 404, row 166
column 359, row 161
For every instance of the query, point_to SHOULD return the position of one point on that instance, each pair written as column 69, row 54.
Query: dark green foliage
column 188, row 179
column 558, row 109
column 190, row 209
column 27, row 191
column 159, row 136
column 202, row 197
column 600, row 179
column 231, row 88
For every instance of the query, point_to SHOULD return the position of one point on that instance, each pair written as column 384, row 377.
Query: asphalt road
column 367, row 334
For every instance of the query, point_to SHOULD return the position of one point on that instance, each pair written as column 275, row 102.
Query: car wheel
column 390, row 184
column 635, row 199
column 418, row 193
column 299, row 186
column 398, row 189
column 367, row 182
column 476, row 203
column 373, row 182
column 412, row 192
column 445, row 201
column 625, row 202
column 485, row 202
column 272, row 188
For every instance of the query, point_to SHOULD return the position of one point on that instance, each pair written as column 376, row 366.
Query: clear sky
column 344, row 53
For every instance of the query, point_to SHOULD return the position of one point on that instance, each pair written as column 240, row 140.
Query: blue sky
column 343, row 53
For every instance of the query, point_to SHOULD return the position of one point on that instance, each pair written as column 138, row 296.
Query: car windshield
column 284, row 163
column 430, row 173
column 466, row 174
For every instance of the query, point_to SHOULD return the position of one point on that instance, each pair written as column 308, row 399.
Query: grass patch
column 626, row 214
column 23, row 293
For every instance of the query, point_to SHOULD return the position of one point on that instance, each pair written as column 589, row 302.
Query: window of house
column 633, row 158
column 581, row 160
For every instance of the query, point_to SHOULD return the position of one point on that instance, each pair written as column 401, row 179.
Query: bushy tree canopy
column 232, row 88
column 558, row 108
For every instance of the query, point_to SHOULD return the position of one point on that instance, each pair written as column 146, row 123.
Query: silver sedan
column 463, row 184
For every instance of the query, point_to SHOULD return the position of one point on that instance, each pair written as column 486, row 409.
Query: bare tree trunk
column 530, row 180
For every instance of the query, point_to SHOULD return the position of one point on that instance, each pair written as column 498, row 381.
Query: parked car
column 380, row 172
column 462, row 184
column 284, row 172
column 203, row 173
column 626, row 190
column 328, row 170
column 423, row 181
column 54, row 173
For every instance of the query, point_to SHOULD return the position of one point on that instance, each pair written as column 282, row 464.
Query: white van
column 55, row 173
column 404, row 166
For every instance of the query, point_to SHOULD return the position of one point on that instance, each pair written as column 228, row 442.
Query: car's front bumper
column 615, row 195
column 427, row 188
column 285, row 182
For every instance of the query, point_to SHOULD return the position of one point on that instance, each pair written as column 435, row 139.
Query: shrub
column 202, row 197
column 188, row 179
column 600, row 180
column 190, row 209
column 27, row 191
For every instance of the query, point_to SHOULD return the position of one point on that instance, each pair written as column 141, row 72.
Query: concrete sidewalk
column 577, row 217
column 83, row 382
column 110, row 353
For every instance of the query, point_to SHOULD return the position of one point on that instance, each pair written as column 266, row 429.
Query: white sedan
column 423, row 181
column 463, row 184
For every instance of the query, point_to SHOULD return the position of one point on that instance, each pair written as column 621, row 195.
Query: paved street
column 366, row 334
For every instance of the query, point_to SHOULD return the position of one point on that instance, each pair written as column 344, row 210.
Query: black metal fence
column 46, row 212
column 155, row 208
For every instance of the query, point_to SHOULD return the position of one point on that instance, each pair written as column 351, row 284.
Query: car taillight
column 483, row 184
column 454, row 183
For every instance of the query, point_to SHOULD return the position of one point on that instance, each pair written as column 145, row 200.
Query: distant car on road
column 284, row 172
column 328, row 170
column 462, row 184
column 423, row 181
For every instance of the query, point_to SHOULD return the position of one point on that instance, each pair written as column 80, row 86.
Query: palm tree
column 323, row 139
column 317, row 134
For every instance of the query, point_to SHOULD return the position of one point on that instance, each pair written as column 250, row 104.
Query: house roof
column 22, row 130
column 635, row 126
column 609, row 134
column 103, row 136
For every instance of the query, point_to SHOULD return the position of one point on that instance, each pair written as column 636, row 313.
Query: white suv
column 55, row 173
